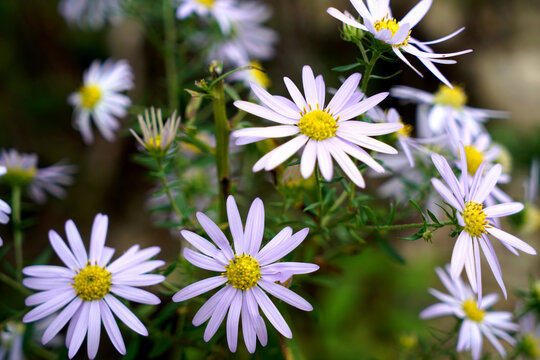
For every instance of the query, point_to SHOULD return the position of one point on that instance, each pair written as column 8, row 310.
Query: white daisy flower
column 327, row 131
column 529, row 336
column 100, row 98
column 245, row 272
column 377, row 20
column 91, row 13
column 221, row 10
column 11, row 341
column 436, row 110
column 156, row 136
column 22, row 170
column 477, row 220
column 84, row 288
column 531, row 221
column 477, row 319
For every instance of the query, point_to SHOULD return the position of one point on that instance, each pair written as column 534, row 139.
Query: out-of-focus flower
column 377, row 19
column 436, row 110
column 478, row 221
column 221, row 10
column 22, row 171
column 5, row 209
column 530, row 221
column 100, row 98
column 84, row 288
column 326, row 131
column 91, row 13
column 529, row 336
column 156, row 136
column 245, row 272
column 477, row 319
column 256, row 75
column 11, row 341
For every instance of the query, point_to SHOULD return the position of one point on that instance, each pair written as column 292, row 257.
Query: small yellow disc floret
column 243, row 272
column 406, row 130
column 92, row 283
column 392, row 25
column 318, row 125
column 455, row 97
column 474, row 159
column 470, row 307
column 90, row 95
column 475, row 219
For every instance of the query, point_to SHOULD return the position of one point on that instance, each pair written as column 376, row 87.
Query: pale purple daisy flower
column 468, row 199
column 377, row 19
column 436, row 110
column 91, row 13
column 325, row 132
column 100, row 98
column 245, row 272
column 477, row 319
column 223, row 11
column 84, row 288
column 22, row 170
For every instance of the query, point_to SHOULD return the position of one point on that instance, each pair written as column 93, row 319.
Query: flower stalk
column 17, row 231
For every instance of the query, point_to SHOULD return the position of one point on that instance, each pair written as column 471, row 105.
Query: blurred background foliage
column 366, row 304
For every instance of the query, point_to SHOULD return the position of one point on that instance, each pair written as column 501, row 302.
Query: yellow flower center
column 259, row 76
column 475, row 219
column 243, row 272
column 529, row 346
column 406, row 130
column 207, row 3
column 392, row 25
column 92, row 283
column 474, row 159
column 318, row 125
column 472, row 311
column 90, row 95
column 154, row 142
column 455, row 97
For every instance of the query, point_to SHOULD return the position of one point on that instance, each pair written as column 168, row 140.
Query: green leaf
column 417, row 207
column 346, row 67
column 390, row 251
column 433, row 217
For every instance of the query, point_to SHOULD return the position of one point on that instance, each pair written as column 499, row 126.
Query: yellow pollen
column 475, row 219
column 207, row 3
column 318, row 125
column 474, row 159
column 243, row 272
column 392, row 25
column 455, row 97
column 472, row 311
column 154, row 142
column 92, row 283
column 406, row 130
column 90, row 95
column 259, row 76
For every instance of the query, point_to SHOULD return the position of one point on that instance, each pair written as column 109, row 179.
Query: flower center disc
column 455, row 97
column 90, row 95
column 406, row 130
column 475, row 219
column 243, row 272
column 207, row 3
column 392, row 25
column 470, row 307
column 92, row 283
column 474, row 159
column 260, row 76
column 318, row 125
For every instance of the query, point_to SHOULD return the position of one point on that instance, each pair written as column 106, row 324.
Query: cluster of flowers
column 86, row 289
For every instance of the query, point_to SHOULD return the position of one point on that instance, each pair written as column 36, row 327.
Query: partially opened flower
column 477, row 319
column 246, row 273
column 436, row 110
column 91, row 13
column 86, row 287
column 101, row 99
column 377, row 19
column 324, row 131
column 468, row 198
column 22, row 171
column 156, row 136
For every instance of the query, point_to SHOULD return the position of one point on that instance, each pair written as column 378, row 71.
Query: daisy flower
column 447, row 104
column 100, row 98
column 221, row 10
column 529, row 336
column 377, row 19
column 477, row 319
column 531, row 216
column 477, row 220
column 22, row 170
column 246, row 273
column 11, row 341
column 86, row 287
column 256, row 74
column 325, row 131
column 156, row 136
column 91, row 13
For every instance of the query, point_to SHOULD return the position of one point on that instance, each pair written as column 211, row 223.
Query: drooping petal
column 272, row 313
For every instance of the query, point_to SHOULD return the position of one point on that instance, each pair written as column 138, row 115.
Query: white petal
column 501, row 210
column 94, row 328
column 49, row 271
column 233, row 320
column 282, row 248
column 79, row 330
column 254, row 227
column 97, row 239
column 76, row 243
column 198, row 288
column 446, row 194
column 134, row 294
column 271, row 312
column 493, row 262
column 202, row 261
column 350, row 169
column 265, row 113
column 511, row 240
column 459, row 254
column 267, row 132
column 325, row 161
column 417, row 13
column 60, row 320
column 344, row 93
column 280, row 154
column 269, row 101
column 309, row 156
column 296, row 95
column 215, row 234
column 208, row 307
column 235, row 225
column 363, row 106
column 112, row 328
column 437, row 310
column 125, row 315
column 283, row 235
column 285, row 294
column 220, row 312
column 61, row 249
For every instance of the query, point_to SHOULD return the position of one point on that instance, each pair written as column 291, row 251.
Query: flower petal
column 253, row 234
column 282, row 293
column 198, row 288
column 125, row 315
column 271, row 312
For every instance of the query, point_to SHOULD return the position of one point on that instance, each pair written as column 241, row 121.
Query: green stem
column 407, row 226
column 17, row 231
column 222, row 147
column 169, row 26
column 367, row 72
column 14, row 284
column 168, row 193
column 320, row 195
